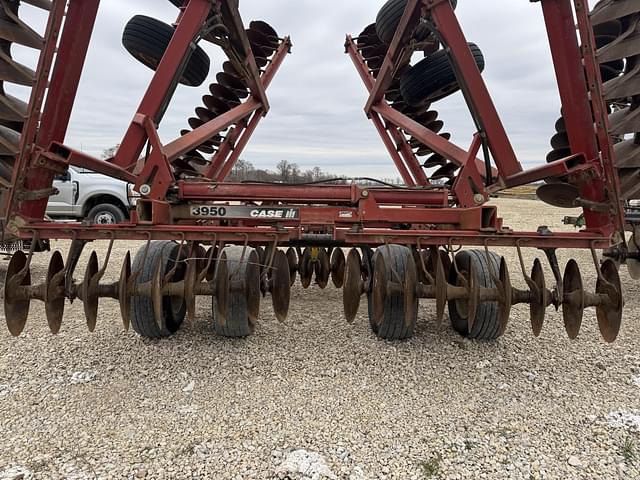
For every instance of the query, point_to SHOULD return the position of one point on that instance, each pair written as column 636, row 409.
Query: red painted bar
column 190, row 25
column 601, row 114
column 61, row 93
column 302, row 194
column 474, row 87
column 343, row 236
column 200, row 135
column 393, row 151
column 572, row 86
column 240, row 146
column 385, row 76
column 427, row 137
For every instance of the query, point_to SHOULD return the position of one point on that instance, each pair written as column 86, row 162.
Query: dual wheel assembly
column 234, row 279
column 476, row 288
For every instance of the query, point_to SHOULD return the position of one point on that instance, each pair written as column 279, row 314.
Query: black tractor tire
column 105, row 214
column 238, row 323
column 146, row 39
column 174, row 309
column 393, row 325
column 433, row 78
column 389, row 18
column 487, row 323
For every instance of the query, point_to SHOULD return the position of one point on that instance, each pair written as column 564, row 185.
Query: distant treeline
column 288, row 172
column 285, row 172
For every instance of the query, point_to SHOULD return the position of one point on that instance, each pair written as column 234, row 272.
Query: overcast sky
column 317, row 99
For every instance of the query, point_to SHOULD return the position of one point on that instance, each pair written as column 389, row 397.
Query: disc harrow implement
column 237, row 243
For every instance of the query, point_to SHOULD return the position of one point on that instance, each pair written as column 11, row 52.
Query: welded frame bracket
column 469, row 186
column 156, row 177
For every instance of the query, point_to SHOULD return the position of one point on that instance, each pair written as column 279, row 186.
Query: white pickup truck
column 83, row 194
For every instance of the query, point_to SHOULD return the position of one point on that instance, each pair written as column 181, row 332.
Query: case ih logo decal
column 265, row 213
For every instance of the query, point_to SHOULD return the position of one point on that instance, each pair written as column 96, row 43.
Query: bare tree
column 110, row 152
column 287, row 171
column 242, row 170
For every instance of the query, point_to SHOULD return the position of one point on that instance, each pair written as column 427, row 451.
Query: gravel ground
column 113, row 405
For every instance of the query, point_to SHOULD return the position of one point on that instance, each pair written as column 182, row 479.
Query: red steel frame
column 346, row 215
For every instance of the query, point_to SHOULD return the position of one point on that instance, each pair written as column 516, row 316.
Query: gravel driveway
column 320, row 394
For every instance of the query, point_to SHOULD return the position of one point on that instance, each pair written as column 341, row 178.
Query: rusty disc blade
column 305, row 268
column 539, row 298
column 352, row 288
column 448, row 171
column 281, row 286
column 506, row 297
column 90, row 292
column 573, row 299
column 252, row 285
column 217, row 106
column 224, row 94
column 292, row 258
column 560, row 140
column 378, row 289
column 393, row 95
column 375, row 63
column 444, row 258
column 441, row 290
column 435, row 126
column 423, row 151
column 371, row 51
column 410, row 296
column 427, row 117
column 54, row 300
column 420, row 257
column 267, row 44
column 228, row 67
column 233, row 83
column 435, row 160
column 633, row 265
column 610, row 314
column 369, row 31
column 156, row 294
column 16, row 309
column 195, row 122
column 558, row 154
column 473, row 299
column 338, row 262
column 560, row 195
column 322, row 268
column 123, row 291
column 259, row 54
column 204, row 115
column 212, row 253
column 190, row 280
column 264, row 28
column 222, row 289
column 263, row 257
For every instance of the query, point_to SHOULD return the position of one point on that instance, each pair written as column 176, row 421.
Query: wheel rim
column 104, row 218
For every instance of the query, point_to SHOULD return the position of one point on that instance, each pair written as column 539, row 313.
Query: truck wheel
column 487, row 324
column 236, row 306
column 434, row 78
column 390, row 324
column 173, row 308
column 146, row 39
column 389, row 18
column 105, row 214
